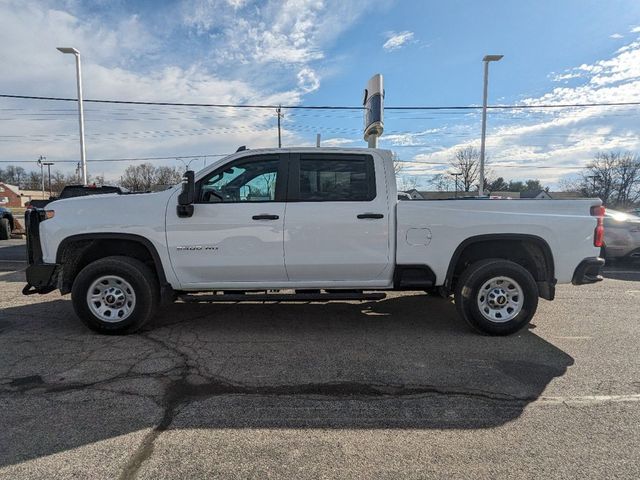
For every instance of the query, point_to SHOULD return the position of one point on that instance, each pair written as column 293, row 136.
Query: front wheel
column 115, row 295
column 5, row 229
column 496, row 297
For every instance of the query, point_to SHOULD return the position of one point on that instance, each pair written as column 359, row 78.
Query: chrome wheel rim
column 111, row 298
column 500, row 299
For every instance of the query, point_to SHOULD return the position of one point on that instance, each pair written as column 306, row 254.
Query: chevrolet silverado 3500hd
column 325, row 223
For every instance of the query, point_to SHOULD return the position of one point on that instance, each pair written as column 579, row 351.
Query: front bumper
column 41, row 277
column 588, row 271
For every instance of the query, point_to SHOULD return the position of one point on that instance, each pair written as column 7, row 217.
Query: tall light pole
column 48, row 165
column 40, row 162
column 486, row 60
column 456, row 175
column 83, row 156
column 186, row 165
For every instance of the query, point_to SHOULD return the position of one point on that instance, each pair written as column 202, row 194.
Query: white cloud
column 338, row 142
column 308, row 80
column 127, row 59
column 616, row 36
column 281, row 31
column 397, row 40
column 635, row 29
column 564, row 138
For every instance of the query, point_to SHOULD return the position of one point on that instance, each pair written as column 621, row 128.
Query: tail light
column 598, row 234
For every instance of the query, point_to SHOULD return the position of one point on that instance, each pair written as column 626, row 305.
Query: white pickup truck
column 310, row 224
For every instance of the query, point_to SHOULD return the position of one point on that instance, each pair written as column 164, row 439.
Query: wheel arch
column 88, row 247
column 537, row 251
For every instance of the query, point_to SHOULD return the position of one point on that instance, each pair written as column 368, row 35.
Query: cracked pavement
column 389, row 389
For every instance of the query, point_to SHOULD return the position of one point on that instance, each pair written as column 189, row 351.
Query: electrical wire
column 327, row 107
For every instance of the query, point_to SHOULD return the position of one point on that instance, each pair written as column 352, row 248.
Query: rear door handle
column 370, row 215
column 265, row 216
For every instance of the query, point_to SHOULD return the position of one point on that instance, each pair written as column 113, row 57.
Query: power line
column 328, row 107
column 134, row 159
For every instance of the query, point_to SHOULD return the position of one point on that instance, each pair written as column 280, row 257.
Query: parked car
column 622, row 235
column 6, row 223
column 308, row 220
column 71, row 191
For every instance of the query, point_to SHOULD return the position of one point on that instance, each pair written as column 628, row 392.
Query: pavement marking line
column 573, row 338
column 588, row 399
column 4, row 274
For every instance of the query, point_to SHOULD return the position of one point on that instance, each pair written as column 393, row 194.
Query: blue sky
column 319, row 52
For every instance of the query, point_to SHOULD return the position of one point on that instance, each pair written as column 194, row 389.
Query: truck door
column 338, row 222
column 235, row 236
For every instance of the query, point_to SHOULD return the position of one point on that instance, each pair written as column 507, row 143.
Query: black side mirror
column 187, row 195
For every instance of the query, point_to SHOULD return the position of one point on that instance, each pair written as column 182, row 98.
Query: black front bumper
column 41, row 277
column 589, row 271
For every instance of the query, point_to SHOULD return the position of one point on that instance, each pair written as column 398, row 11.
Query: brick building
column 10, row 196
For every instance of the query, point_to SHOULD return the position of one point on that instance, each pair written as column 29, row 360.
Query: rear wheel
column 115, row 295
column 496, row 297
column 5, row 229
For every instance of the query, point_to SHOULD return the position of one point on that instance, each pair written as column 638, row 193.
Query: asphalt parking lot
column 393, row 389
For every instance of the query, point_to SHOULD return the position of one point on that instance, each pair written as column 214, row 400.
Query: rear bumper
column 588, row 271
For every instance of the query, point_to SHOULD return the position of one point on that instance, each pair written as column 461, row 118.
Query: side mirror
column 187, row 195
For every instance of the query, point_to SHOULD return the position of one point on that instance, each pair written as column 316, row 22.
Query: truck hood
column 109, row 212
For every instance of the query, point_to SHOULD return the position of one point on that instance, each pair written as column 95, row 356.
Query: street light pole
column 40, row 162
column 486, row 60
column 48, row 165
column 279, row 113
column 186, row 165
column 456, row 175
column 83, row 156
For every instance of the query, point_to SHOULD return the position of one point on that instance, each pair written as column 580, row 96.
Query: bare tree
column 406, row 182
column 467, row 162
column 442, row 182
column 13, row 175
column 627, row 174
column 145, row 177
column 167, row 176
column 614, row 177
column 599, row 179
column 397, row 163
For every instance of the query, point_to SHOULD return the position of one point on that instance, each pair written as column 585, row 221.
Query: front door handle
column 265, row 216
column 370, row 215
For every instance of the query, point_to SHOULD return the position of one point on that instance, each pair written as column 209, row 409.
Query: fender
column 145, row 242
column 542, row 243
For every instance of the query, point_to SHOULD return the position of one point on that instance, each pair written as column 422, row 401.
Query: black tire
column 5, row 229
column 140, row 277
column 473, row 279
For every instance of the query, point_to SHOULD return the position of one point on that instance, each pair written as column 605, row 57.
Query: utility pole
column 40, row 160
column 456, row 175
column 317, row 140
column 279, row 113
column 48, row 164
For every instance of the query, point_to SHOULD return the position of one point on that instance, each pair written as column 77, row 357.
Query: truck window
column 244, row 181
column 332, row 180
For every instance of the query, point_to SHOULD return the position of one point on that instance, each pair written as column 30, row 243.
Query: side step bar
column 281, row 297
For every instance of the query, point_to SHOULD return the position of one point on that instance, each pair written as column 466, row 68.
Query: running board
column 281, row 297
